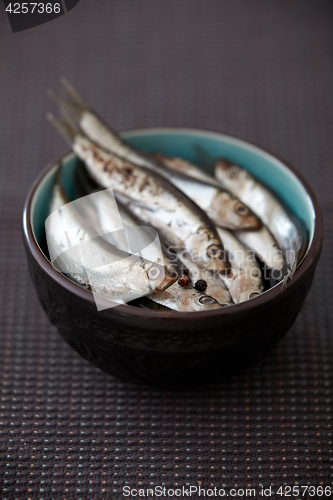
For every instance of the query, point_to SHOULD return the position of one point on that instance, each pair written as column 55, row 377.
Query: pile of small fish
column 224, row 240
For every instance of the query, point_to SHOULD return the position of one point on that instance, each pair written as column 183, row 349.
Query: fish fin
column 65, row 126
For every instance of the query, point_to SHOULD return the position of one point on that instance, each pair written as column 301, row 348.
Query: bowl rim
column 311, row 256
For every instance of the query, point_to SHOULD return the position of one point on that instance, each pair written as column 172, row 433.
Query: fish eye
column 214, row 252
column 234, row 172
column 253, row 294
column 206, row 299
column 154, row 273
column 241, row 209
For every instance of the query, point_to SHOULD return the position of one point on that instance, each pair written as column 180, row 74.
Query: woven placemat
column 260, row 70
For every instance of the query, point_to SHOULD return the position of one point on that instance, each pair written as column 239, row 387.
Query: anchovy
column 265, row 204
column 224, row 208
column 80, row 252
column 161, row 204
column 244, row 281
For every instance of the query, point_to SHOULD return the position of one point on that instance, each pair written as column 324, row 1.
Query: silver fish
column 244, row 281
column 102, row 210
column 224, row 208
column 77, row 250
column 161, row 204
column 265, row 204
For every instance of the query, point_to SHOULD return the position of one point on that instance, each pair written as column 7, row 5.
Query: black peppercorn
column 201, row 285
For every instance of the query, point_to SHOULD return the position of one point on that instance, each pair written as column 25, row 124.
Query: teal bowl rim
column 306, row 266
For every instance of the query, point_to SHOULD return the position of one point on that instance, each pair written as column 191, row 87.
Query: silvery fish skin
column 260, row 241
column 175, row 297
column 244, row 281
column 74, row 245
column 162, row 205
column 222, row 207
column 264, row 203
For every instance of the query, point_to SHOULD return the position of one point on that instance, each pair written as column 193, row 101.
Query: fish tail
column 65, row 104
column 73, row 97
column 65, row 126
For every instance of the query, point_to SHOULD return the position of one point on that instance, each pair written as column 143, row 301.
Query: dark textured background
column 261, row 70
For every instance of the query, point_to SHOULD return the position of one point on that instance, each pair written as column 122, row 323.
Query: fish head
column 228, row 211
column 219, row 291
column 245, row 285
column 229, row 174
column 190, row 300
column 144, row 277
column 159, row 277
column 247, row 295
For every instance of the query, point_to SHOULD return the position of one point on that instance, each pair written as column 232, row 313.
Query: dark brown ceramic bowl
column 169, row 349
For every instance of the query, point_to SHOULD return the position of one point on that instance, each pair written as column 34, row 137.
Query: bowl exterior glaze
column 162, row 349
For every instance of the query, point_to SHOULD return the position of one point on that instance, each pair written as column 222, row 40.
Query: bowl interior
column 201, row 148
